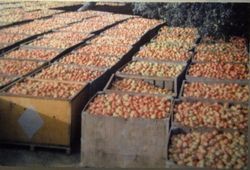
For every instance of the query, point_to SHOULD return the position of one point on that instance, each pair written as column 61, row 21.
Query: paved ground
column 19, row 156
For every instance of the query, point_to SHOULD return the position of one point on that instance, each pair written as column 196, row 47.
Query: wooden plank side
column 116, row 142
column 77, row 105
column 54, row 114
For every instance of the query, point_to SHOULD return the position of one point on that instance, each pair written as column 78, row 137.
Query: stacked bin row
column 103, row 51
column 134, row 108
column 164, row 59
column 16, row 35
column 210, row 118
column 26, row 16
column 12, row 13
column 173, row 44
column 55, row 101
column 8, row 7
column 56, row 93
column 41, row 50
column 143, row 117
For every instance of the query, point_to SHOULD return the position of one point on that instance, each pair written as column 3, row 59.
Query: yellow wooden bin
column 43, row 122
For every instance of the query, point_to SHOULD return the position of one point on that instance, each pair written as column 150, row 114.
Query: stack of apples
column 67, row 35
column 144, row 68
column 50, row 89
column 222, row 150
column 220, row 70
column 177, row 34
column 232, row 91
column 7, row 38
column 223, row 46
column 211, row 115
column 5, row 79
column 221, row 56
column 34, row 54
column 170, row 44
column 94, row 24
column 124, row 29
column 119, row 41
column 130, row 106
column 138, row 86
column 105, row 50
column 54, row 43
column 18, row 68
column 89, row 60
column 163, row 54
column 68, row 73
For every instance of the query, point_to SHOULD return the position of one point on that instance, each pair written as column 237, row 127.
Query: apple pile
column 111, row 18
column 84, row 27
column 104, row 50
column 211, row 115
column 130, row 106
column 168, row 54
column 89, row 60
column 238, row 41
column 46, row 89
column 11, row 38
column 221, row 47
column 153, row 69
column 37, row 54
column 4, row 80
column 38, row 26
column 56, row 22
column 38, row 14
column 187, row 35
column 234, row 40
column 179, row 31
column 217, row 56
column 11, row 18
column 11, row 11
column 139, row 86
column 223, row 150
column 178, row 45
column 30, row 28
column 93, row 24
column 67, row 35
column 166, row 38
column 42, row 13
column 139, row 22
column 82, row 14
column 15, row 67
column 118, row 17
column 116, row 32
column 123, row 29
column 231, row 91
column 120, row 41
column 6, row 6
column 219, row 71
column 68, row 73
column 54, row 43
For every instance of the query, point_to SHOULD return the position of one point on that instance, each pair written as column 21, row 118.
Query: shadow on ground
column 125, row 9
column 17, row 156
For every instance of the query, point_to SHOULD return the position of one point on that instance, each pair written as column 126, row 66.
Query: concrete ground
column 19, row 156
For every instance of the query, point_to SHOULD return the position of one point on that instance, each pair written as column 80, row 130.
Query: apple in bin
column 129, row 106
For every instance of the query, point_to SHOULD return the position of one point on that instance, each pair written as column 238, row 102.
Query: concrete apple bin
column 117, row 142
column 173, row 83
